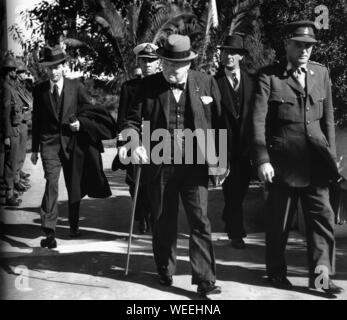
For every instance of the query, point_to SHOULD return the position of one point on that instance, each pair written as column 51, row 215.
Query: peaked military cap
column 146, row 50
column 302, row 31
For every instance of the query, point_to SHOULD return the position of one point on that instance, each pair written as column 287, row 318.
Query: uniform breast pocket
column 317, row 103
column 285, row 106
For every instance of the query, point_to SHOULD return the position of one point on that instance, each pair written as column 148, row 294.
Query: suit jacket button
column 307, row 109
column 308, row 122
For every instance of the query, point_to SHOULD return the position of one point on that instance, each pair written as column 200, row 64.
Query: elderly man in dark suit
column 174, row 99
column 149, row 62
column 236, row 87
column 294, row 151
column 65, row 136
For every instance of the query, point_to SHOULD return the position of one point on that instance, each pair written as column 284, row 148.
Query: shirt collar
column 290, row 66
column 235, row 71
column 60, row 85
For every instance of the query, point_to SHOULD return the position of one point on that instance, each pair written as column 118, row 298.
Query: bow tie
column 180, row 86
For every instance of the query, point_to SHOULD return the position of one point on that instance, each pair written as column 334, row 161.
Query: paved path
column 92, row 267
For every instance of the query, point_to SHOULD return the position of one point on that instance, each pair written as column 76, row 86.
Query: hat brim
column 52, row 63
column 191, row 56
column 148, row 56
column 236, row 50
column 304, row 39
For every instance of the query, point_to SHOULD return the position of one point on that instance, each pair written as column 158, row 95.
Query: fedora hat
column 177, row 48
column 53, row 56
column 146, row 50
column 235, row 43
column 302, row 31
column 9, row 63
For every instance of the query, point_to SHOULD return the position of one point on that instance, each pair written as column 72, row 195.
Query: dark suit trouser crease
column 190, row 182
column 235, row 188
column 49, row 207
column 319, row 223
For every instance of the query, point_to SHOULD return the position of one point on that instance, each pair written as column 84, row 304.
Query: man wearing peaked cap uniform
column 171, row 100
column 295, row 155
column 10, row 124
column 148, row 61
column 236, row 87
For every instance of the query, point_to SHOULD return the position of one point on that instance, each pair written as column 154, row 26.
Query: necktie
column 300, row 74
column 179, row 86
column 56, row 94
column 235, row 80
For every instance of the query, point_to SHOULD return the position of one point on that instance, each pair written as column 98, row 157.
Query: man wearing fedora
column 236, row 87
column 178, row 98
column 11, row 119
column 148, row 61
column 64, row 136
column 295, row 155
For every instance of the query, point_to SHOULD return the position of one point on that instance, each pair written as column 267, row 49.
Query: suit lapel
column 225, row 88
column 49, row 98
column 164, row 99
column 295, row 84
column 68, row 91
column 194, row 93
column 310, row 80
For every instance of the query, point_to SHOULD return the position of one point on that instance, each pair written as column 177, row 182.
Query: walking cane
column 137, row 183
column 286, row 214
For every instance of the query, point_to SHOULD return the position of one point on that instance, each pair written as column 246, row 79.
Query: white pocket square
column 206, row 99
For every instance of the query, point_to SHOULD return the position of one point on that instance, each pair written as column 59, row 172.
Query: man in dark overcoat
column 64, row 135
column 236, row 87
column 148, row 61
column 295, row 154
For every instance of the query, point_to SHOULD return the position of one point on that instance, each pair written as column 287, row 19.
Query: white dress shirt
column 60, row 85
column 229, row 75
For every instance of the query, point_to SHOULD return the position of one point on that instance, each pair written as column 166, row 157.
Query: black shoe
column 13, row 202
column 75, row 233
column 49, row 242
column 24, row 175
column 280, row 282
column 238, row 243
column 331, row 289
column 165, row 280
column 25, row 183
column 20, row 187
column 207, row 288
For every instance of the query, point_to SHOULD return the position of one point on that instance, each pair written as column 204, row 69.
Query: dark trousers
column 190, row 182
column 22, row 147
column 11, row 163
column 2, row 167
column 319, row 222
column 142, row 211
column 49, row 207
column 235, row 188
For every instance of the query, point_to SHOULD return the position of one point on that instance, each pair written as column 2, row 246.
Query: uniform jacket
column 12, row 109
column 239, row 137
column 152, row 104
column 288, row 125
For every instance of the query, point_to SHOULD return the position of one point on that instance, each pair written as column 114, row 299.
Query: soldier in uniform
column 149, row 64
column 295, row 154
column 12, row 117
column 22, row 181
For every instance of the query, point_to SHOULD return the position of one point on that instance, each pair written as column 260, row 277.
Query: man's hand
column 7, row 142
column 75, row 126
column 266, row 172
column 34, row 157
column 140, row 155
